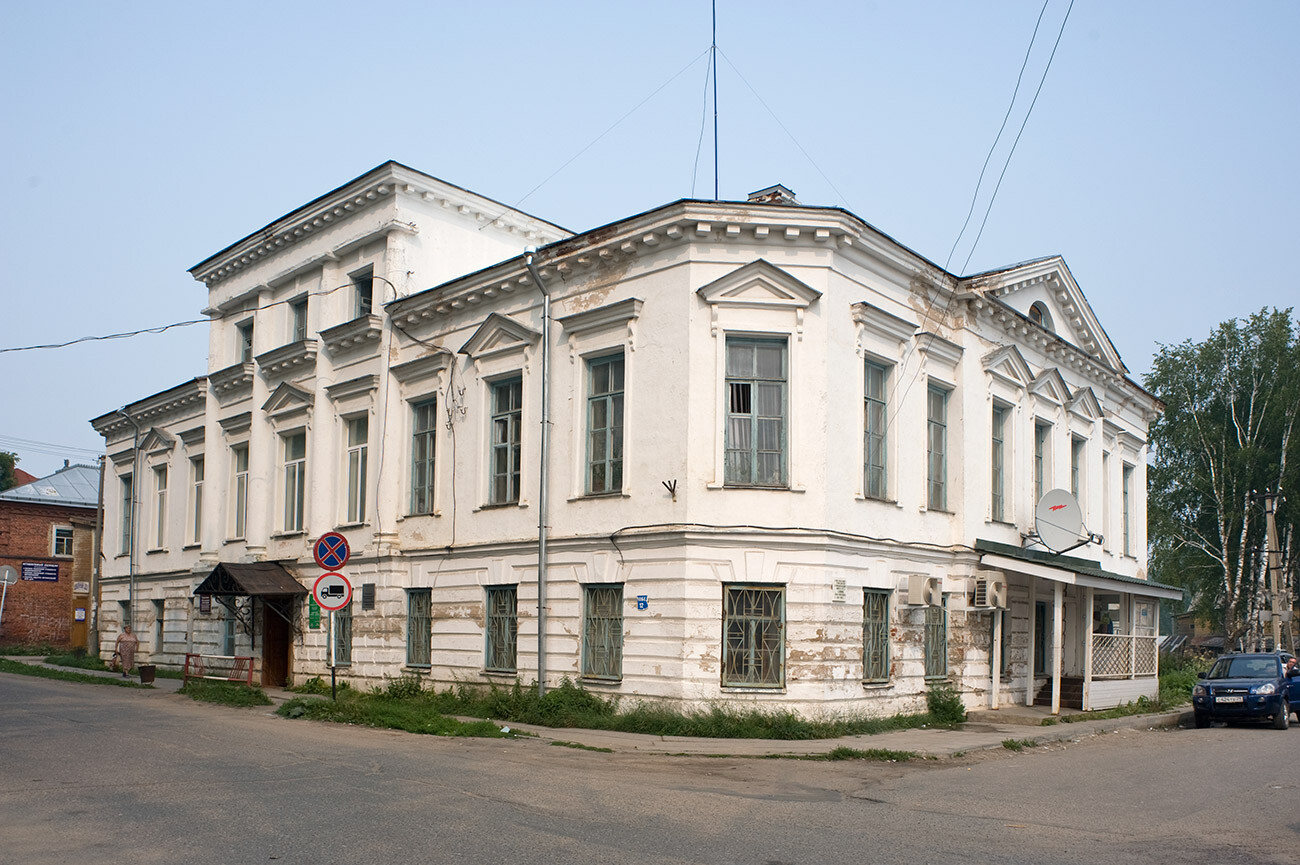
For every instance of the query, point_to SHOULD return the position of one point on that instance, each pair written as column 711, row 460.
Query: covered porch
column 1073, row 635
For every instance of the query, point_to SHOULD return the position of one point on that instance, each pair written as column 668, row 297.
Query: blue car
column 1248, row 687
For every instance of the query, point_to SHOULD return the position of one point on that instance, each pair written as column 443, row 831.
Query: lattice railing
column 1123, row 656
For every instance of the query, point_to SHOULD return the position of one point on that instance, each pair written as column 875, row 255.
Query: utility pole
column 1274, row 556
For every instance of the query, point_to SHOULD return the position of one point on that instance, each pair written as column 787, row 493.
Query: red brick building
column 47, row 535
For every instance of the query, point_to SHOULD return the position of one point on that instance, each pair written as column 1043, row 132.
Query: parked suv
column 1248, row 687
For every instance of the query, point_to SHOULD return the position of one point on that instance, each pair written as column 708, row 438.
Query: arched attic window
column 1039, row 315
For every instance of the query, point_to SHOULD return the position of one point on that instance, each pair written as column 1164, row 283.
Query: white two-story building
column 789, row 461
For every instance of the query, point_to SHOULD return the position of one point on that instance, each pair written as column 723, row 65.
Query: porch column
column 1033, row 627
column 1058, row 631
column 1087, row 648
column 997, row 659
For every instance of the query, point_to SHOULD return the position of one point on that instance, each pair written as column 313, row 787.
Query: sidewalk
column 983, row 733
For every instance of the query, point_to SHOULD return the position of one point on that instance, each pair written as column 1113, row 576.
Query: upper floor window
column 196, row 500
column 295, row 480
column 875, row 482
column 358, row 430
column 363, row 292
column 160, row 506
column 998, row 464
column 1039, row 315
column 239, row 489
column 244, row 348
column 507, row 413
column 127, row 513
column 1042, row 459
column 605, row 425
column 756, row 412
column 298, row 310
column 937, row 448
column 1127, row 511
column 1077, row 452
column 62, row 541
column 424, row 428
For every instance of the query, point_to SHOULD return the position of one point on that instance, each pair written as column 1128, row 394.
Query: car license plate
column 1227, row 699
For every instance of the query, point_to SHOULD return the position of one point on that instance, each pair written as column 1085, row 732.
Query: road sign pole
column 334, row 694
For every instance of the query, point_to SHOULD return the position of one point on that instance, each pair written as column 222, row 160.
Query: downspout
column 543, row 472
column 135, row 493
column 97, row 567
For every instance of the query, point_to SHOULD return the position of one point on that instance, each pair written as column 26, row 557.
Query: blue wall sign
column 642, row 602
column 44, row 572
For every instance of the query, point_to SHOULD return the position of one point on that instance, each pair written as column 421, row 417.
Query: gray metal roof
column 74, row 486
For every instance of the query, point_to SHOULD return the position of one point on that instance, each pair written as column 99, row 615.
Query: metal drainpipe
column 135, row 493
column 544, row 471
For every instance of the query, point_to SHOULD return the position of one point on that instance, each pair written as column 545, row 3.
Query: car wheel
column 1201, row 720
column 1282, row 719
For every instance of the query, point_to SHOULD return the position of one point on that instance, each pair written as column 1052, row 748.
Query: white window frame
column 61, row 532
column 424, row 456
column 875, row 410
column 1079, row 469
column 1000, row 421
column 1127, row 476
column 355, row 468
column 610, row 437
column 244, row 335
column 936, row 428
column 511, row 446
column 127, row 501
column 160, row 482
column 750, row 416
column 298, row 326
column 239, row 464
column 294, row 484
column 363, row 291
column 1042, row 458
column 195, row 509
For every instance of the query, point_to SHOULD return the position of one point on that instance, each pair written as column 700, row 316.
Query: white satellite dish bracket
column 1058, row 523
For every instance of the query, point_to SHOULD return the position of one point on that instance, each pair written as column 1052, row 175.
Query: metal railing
column 1123, row 656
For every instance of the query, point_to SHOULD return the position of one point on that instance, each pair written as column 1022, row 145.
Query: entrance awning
column 1069, row 570
column 252, row 578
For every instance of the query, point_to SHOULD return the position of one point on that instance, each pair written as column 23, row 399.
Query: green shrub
column 224, row 693
column 404, row 688
column 945, row 704
column 80, row 661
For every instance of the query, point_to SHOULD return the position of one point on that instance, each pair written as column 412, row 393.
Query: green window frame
column 419, row 627
column 756, row 432
column 424, row 433
column 875, row 480
column 343, row 636
column 753, row 636
column 936, row 448
column 602, row 632
column 875, row 635
column 501, row 636
column 507, row 414
column 936, row 641
column 605, row 424
column 998, row 465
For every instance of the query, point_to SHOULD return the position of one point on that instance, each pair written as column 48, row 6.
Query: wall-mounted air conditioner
column 990, row 592
column 923, row 591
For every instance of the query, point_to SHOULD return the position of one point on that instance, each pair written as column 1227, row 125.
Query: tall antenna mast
column 714, row 49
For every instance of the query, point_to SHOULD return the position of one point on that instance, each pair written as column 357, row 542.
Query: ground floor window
column 343, row 636
column 602, row 632
column 419, row 609
column 875, row 635
column 936, row 642
column 753, row 629
column 228, row 625
column 502, row 629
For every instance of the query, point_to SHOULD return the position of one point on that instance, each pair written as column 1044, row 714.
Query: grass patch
column 7, row 666
column 224, row 693
column 372, row 710
column 879, row 755
column 582, row 747
column 31, row 651
column 79, row 660
column 405, row 704
column 1018, row 744
column 318, row 686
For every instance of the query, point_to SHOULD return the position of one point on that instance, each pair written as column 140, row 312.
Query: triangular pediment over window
column 498, row 335
column 1049, row 385
column 1084, row 403
column 287, row 399
column 156, row 441
column 1008, row 364
column 759, row 283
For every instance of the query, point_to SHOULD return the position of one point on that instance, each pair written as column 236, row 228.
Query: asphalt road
column 92, row 774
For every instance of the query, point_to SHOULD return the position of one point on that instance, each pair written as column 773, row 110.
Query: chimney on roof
column 65, row 464
column 773, row 195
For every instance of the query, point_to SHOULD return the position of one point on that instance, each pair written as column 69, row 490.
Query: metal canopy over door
column 273, row 595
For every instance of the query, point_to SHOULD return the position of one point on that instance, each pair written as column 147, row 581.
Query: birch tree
column 1230, row 432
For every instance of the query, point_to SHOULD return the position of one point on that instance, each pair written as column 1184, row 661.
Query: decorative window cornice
column 287, row 359
column 352, row 334
column 1008, row 365
column 425, row 366
column 236, row 424
column 611, row 316
column 936, row 347
column 1049, row 385
column 124, row 457
column 157, row 441
column 874, row 321
column 498, row 335
column 287, row 400
column 1084, row 403
column 232, row 381
column 354, row 387
column 192, row 437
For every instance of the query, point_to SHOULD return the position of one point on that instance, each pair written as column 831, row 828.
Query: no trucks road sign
column 332, row 551
column 332, row 591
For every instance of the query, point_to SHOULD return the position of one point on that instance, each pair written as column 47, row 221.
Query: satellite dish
column 1059, row 521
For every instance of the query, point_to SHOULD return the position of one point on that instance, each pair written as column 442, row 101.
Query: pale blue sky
column 140, row 138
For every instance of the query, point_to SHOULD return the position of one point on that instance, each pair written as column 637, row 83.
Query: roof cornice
column 153, row 408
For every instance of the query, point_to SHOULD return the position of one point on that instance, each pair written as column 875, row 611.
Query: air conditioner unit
column 923, row 591
column 990, row 592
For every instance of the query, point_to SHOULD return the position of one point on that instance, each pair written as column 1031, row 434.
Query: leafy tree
column 7, row 462
column 1230, row 431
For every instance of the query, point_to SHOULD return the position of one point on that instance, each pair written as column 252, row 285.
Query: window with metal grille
column 605, row 425
column 507, row 412
column 756, row 412
column 295, row 480
column 62, row 541
column 937, row 449
column 419, row 626
column 997, row 463
column 936, row 642
column 502, row 629
column 343, row 636
column 753, row 628
column 875, row 482
column 358, row 432
column 875, row 635
column 602, row 632
column 159, row 624
column 424, row 429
